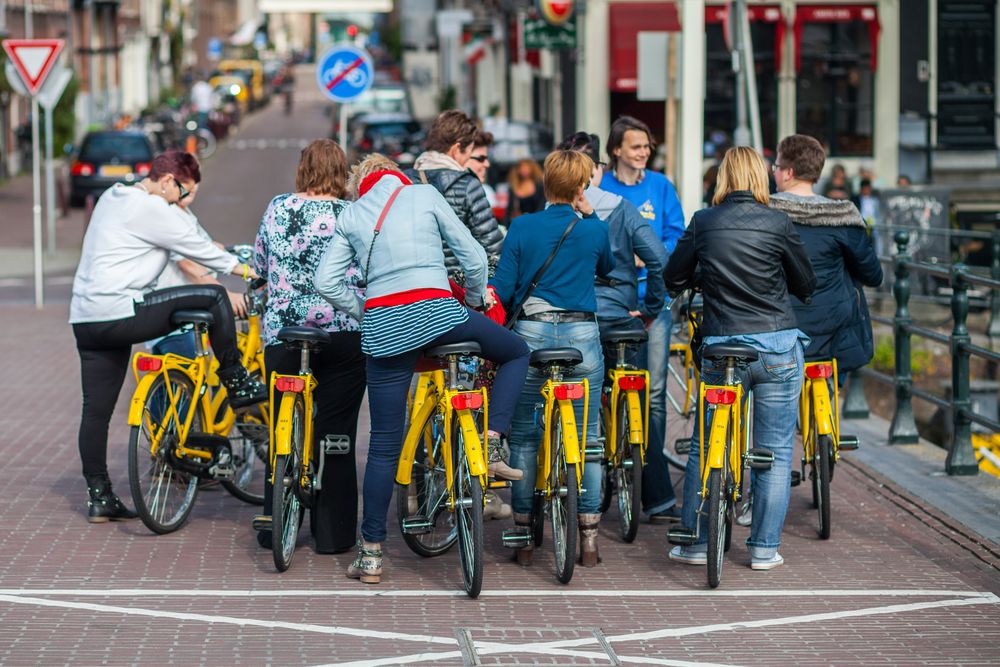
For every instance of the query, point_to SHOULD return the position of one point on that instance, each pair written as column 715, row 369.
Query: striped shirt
column 390, row 330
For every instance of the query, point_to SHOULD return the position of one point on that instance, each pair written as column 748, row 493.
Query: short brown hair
column 565, row 173
column 483, row 138
column 181, row 165
column 322, row 169
column 451, row 127
column 804, row 155
column 742, row 168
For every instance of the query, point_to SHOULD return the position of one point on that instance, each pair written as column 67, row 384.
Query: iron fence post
column 855, row 401
column 903, row 429
column 993, row 330
column 961, row 458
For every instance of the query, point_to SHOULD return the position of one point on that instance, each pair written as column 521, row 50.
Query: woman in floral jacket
column 294, row 234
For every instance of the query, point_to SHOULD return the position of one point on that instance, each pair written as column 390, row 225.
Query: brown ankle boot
column 588, row 539
column 524, row 555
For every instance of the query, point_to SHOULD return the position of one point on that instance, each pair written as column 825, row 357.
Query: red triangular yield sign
column 33, row 59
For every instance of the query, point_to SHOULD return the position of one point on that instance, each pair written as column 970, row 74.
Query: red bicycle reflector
column 720, row 396
column 295, row 385
column 632, row 383
column 819, row 371
column 564, row 392
column 467, row 401
column 148, row 364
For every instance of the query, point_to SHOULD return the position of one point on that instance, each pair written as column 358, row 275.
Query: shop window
column 835, row 86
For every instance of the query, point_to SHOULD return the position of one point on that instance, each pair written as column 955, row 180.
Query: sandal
column 367, row 566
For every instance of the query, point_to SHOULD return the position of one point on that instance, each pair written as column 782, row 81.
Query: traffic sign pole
column 50, row 187
column 343, row 126
column 36, row 209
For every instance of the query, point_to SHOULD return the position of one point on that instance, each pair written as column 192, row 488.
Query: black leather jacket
column 465, row 194
column 746, row 258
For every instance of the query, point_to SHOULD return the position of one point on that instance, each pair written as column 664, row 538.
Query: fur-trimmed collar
column 817, row 211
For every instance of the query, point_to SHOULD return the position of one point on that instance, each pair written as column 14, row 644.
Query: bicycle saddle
column 737, row 350
column 562, row 356
column 181, row 317
column 466, row 348
column 624, row 336
column 303, row 335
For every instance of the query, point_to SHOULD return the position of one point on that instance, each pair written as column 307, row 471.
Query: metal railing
column 961, row 459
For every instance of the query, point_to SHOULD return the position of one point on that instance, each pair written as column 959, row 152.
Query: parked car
column 397, row 136
column 105, row 158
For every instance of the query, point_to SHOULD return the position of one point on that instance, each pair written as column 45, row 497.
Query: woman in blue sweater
column 560, row 312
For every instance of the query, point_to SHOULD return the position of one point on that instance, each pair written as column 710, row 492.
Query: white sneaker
column 766, row 563
column 688, row 557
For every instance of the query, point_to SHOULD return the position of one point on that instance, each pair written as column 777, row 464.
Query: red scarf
column 371, row 179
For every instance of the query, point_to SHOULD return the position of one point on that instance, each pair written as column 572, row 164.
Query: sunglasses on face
column 184, row 194
column 479, row 158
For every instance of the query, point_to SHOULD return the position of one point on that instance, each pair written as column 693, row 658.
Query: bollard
column 961, row 458
column 903, row 429
column 855, row 401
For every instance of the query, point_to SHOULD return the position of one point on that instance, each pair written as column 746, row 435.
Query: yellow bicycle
column 687, row 376
column 724, row 453
column 822, row 441
column 560, row 461
column 442, row 470
column 625, row 421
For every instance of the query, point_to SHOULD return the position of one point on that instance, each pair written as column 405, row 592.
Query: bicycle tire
column 607, row 473
column 629, row 478
column 469, row 519
column 537, row 520
column 563, row 510
column 206, row 144
column 286, row 505
column 154, row 509
column 249, row 444
column 716, row 528
column 824, row 452
column 426, row 495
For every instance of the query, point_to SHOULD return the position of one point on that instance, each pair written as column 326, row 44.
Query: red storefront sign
column 836, row 14
column 715, row 14
column 625, row 21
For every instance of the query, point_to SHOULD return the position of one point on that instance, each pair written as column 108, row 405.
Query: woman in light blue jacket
column 408, row 308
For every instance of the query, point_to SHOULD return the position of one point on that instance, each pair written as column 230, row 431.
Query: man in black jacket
column 448, row 147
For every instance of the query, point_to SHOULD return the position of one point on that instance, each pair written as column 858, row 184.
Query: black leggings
column 340, row 370
column 105, row 347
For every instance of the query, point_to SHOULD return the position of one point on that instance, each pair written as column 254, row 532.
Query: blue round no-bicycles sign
column 344, row 72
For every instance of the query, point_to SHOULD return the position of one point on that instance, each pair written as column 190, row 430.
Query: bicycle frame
column 727, row 420
column 815, row 408
column 563, row 409
column 282, row 426
column 638, row 418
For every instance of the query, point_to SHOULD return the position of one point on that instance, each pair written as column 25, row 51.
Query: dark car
column 106, row 158
column 397, row 136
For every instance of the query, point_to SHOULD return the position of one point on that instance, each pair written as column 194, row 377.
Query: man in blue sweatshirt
column 630, row 145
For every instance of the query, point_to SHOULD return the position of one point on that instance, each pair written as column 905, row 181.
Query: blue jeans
column 389, row 380
column 525, row 430
column 776, row 380
column 657, row 489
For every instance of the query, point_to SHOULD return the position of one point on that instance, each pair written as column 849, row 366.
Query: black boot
column 103, row 505
column 243, row 389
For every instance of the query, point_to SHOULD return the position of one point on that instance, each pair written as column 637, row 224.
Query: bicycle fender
column 282, row 444
column 139, row 398
column 717, row 438
column 635, row 421
column 418, row 423
column 821, row 408
column 473, row 443
column 571, row 439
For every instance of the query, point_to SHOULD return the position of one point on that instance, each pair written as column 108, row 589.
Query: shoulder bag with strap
column 515, row 312
column 378, row 227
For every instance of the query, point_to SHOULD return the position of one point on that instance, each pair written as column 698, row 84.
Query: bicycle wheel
column 286, row 506
column 206, row 144
column 562, row 509
column 717, row 506
column 469, row 515
column 607, row 473
column 426, row 496
column 629, row 477
column 824, row 452
column 249, row 441
column 163, row 495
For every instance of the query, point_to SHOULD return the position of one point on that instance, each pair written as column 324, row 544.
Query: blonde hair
column 742, row 168
column 565, row 173
column 371, row 164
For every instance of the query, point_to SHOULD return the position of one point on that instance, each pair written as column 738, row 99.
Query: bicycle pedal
column 759, row 458
column 261, row 522
column 225, row 471
column 628, row 464
column 796, row 478
column 594, row 452
column 417, row 525
column 336, row 444
column 516, row 538
column 681, row 536
column 499, row 484
column 682, row 446
column 849, row 443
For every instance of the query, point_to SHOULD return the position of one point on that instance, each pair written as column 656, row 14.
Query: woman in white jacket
column 116, row 304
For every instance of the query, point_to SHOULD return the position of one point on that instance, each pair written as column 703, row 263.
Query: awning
column 323, row 6
column 626, row 21
column 758, row 13
column 837, row 14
